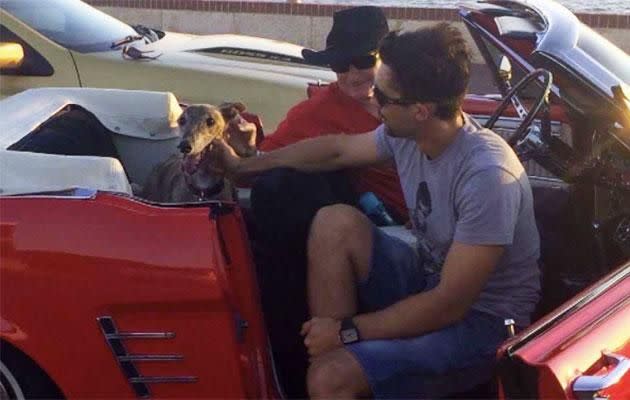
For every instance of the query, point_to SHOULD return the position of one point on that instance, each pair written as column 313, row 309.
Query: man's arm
column 488, row 204
column 325, row 153
column 464, row 274
column 488, row 207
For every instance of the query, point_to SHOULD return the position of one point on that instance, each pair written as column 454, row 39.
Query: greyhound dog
column 179, row 179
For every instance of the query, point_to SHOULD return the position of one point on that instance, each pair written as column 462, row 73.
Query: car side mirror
column 505, row 69
column 11, row 55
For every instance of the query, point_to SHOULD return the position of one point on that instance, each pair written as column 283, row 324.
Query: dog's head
column 200, row 124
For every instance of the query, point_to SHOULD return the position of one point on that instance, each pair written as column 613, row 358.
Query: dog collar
column 207, row 193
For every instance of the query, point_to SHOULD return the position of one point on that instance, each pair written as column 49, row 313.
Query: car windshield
column 70, row 23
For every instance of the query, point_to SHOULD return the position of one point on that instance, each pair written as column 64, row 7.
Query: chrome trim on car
column 127, row 362
column 253, row 53
column 13, row 387
column 514, row 122
column 164, row 379
column 141, row 335
column 70, row 193
column 505, row 126
column 548, row 182
column 274, row 370
column 586, row 386
column 570, row 307
column 151, row 357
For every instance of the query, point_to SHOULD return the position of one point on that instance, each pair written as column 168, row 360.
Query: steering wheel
column 527, row 117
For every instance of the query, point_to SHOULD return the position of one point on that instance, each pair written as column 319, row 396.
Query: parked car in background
column 70, row 43
column 107, row 295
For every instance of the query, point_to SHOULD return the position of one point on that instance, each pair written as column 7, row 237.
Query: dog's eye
column 210, row 121
column 181, row 121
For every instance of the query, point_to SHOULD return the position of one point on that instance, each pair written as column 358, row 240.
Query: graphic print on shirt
column 423, row 209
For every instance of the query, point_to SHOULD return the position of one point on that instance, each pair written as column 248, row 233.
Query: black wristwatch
column 349, row 333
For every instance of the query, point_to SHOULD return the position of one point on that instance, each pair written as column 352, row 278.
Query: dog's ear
column 230, row 110
column 240, row 107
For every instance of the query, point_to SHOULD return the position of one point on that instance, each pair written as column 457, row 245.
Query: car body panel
column 569, row 342
column 188, row 290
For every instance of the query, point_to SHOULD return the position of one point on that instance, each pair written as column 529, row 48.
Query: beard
column 397, row 132
column 391, row 131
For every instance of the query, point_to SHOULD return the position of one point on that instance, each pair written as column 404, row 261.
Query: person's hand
column 220, row 159
column 241, row 136
column 321, row 335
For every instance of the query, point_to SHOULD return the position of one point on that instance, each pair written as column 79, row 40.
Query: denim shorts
column 413, row 367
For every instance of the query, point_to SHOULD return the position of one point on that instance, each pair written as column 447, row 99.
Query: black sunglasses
column 359, row 62
column 382, row 99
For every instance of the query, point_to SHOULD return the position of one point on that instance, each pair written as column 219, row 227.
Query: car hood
column 267, row 75
column 255, row 53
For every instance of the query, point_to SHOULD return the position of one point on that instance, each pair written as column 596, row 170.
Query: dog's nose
column 184, row 147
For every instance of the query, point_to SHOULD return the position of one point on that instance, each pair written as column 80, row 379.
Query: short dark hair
column 429, row 65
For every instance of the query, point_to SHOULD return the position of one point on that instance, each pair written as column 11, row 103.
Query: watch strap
column 349, row 333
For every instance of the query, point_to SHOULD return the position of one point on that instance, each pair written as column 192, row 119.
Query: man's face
column 400, row 119
column 358, row 83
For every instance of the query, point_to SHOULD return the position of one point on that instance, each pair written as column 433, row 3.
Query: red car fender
column 152, row 269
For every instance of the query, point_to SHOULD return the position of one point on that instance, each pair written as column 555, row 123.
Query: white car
column 54, row 43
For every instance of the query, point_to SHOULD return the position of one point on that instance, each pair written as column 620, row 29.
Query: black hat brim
column 331, row 55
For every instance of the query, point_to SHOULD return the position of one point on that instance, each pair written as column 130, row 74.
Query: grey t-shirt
column 476, row 192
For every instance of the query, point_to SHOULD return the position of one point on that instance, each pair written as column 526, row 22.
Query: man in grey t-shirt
column 387, row 318
column 475, row 192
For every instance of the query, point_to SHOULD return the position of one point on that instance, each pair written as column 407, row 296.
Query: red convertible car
column 106, row 295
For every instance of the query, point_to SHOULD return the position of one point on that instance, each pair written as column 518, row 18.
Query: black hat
column 355, row 31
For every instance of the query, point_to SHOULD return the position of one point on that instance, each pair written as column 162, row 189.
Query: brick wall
column 303, row 24
column 614, row 21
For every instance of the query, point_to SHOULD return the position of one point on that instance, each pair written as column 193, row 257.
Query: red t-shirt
column 329, row 111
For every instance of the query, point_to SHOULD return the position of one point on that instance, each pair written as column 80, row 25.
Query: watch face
column 349, row 336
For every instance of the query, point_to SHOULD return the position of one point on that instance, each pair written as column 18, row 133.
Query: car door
column 117, row 298
column 45, row 64
column 579, row 351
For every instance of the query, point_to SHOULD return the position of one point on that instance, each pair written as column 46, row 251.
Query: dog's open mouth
column 191, row 162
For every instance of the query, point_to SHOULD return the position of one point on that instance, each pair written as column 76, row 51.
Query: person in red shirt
column 284, row 201
column 346, row 106
column 342, row 108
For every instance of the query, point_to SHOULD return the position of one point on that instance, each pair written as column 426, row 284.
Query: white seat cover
column 51, row 172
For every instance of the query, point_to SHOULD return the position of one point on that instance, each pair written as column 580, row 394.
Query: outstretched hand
column 221, row 159
column 321, row 335
column 241, row 136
